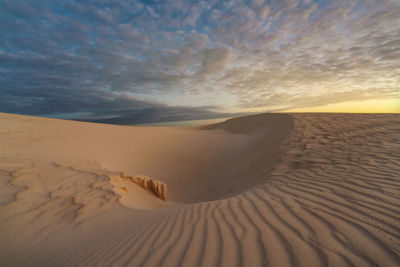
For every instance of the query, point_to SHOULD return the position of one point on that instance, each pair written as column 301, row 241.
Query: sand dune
column 262, row 190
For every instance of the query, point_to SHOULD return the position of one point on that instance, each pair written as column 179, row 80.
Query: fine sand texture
column 259, row 190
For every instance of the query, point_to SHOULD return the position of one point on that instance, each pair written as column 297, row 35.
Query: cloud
column 230, row 56
column 214, row 61
column 97, row 106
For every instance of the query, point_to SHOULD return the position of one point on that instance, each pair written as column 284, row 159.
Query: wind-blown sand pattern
column 263, row 190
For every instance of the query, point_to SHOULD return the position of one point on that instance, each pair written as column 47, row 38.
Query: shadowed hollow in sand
column 268, row 189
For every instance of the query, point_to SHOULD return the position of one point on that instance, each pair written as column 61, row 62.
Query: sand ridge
column 326, row 195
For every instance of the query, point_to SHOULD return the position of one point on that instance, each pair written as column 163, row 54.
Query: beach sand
column 259, row 190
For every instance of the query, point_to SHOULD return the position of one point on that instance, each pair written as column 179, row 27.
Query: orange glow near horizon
column 367, row 106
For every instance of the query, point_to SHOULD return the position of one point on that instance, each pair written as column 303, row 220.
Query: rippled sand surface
column 261, row 190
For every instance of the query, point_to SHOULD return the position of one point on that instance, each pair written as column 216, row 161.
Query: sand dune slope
column 263, row 190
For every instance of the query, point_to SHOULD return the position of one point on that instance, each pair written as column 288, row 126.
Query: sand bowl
column 263, row 190
column 209, row 162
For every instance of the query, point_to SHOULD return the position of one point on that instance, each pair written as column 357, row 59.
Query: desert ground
column 259, row 190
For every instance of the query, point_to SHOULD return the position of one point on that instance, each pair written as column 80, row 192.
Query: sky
column 128, row 62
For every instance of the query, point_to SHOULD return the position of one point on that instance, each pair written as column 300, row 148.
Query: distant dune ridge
column 259, row 190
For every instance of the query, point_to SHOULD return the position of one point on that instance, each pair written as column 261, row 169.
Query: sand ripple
column 333, row 200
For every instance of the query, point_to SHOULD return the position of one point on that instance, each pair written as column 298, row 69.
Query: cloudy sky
column 126, row 62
